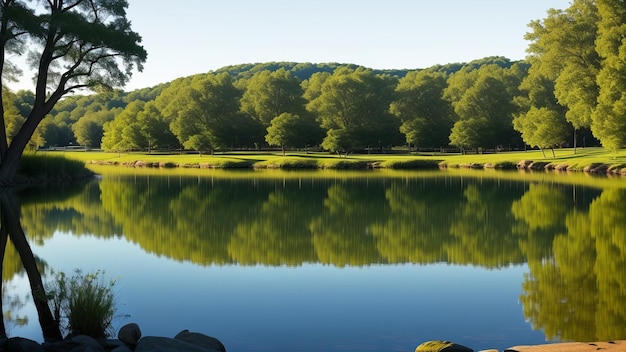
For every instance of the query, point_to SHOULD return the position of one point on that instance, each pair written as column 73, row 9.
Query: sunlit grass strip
column 564, row 159
column 409, row 164
column 287, row 163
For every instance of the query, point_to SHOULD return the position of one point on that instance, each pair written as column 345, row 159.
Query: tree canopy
column 71, row 45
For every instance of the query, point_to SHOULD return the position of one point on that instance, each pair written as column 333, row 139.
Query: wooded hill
column 567, row 93
column 254, row 96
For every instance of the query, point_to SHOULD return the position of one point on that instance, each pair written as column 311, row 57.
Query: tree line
column 567, row 92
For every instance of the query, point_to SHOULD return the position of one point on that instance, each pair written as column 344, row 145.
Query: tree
column 353, row 106
column 154, row 128
column 289, row 130
column 77, row 44
column 484, row 98
column 562, row 48
column 207, row 108
column 269, row 94
column 426, row 117
column 469, row 133
column 609, row 119
column 541, row 120
column 124, row 132
column 90, row 128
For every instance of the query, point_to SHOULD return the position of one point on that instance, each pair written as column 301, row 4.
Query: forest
column 568, row 92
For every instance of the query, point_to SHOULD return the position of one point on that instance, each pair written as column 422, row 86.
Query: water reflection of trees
column 573, row 240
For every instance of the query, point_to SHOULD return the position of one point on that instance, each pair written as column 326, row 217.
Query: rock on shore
column 608, row 346
column 129, row 340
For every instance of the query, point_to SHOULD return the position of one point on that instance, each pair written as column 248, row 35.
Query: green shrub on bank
column 83, row 304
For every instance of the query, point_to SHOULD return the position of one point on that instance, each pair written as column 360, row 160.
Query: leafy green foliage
column 353, row 105
column 83, row 304
column 482, row 99
column 293, row 130
column 270, row 94
column 426, row 117
column 73, row 45
column 610, row 116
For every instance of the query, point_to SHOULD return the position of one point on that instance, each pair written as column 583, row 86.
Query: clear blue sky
column 196, row 36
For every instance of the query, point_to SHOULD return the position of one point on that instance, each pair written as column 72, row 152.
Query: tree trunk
column 3, row 243
column 12, row 225
column 575, row 141
column 11, row 160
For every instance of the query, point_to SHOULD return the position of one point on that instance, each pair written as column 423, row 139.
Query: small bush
column 83, row 304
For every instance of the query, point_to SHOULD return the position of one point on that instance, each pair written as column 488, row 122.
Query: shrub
column 83, row 304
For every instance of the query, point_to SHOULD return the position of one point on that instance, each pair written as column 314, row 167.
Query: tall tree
column 426, row 117
column 124, row 132
column 203, row 112
column 609, row 119
column 541, row 119
column 353, row 107
column 289, row 130
column 77, row 44
column 269, row 94
column 483, row 101
column 562, row 48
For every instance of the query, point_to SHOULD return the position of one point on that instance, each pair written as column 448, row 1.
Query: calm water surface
column 332, row 261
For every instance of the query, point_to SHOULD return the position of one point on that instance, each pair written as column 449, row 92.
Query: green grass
column 564, row 159
column 44, row 167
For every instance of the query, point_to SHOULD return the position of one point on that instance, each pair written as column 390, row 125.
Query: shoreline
column 525, row 165
column 604, row 346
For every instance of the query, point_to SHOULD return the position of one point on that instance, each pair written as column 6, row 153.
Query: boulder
column 88, row 342
column 164, row 344
column 19, row 344
column 198, row 339
column 442, row 346
column 129, row 334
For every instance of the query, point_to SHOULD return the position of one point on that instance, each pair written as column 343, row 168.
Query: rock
column 111, row 344
column 442, row 346
column 60, row 346
column 129, row 334
column 201, row 340
column 164, row 344
column 121, row 349
column 88, row 342
column 19, row 344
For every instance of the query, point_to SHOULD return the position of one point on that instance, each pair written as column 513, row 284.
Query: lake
column 338, row 261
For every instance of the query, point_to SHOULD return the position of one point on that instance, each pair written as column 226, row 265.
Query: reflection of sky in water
column 308, row 308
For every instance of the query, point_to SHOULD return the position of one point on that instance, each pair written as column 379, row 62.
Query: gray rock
column 198, row 339
column 163, row 344
column 85, row 341
column 121, row 349
column 83, row 348
column 19, row 344
column 59, row 346
column 110, row 344
column 130, row 334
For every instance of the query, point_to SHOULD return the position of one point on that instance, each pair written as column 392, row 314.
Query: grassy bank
column 595, row 160
column 39, row 168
